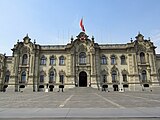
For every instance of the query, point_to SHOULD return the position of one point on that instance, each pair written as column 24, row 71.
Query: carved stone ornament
column 82, row 36
column 141, row 48
column 62, row 72
column 124, row 71
column 25, row 50
column 114, row 68
column 26, row 39
column 82, row 48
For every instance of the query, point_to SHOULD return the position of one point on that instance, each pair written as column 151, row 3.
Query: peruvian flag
column 81, row 25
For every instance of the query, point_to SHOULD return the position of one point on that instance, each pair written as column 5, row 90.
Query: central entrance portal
column 82, row 79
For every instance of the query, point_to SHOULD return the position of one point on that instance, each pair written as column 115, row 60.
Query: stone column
column 152, row 63
column 17, row 56
column 34, row 69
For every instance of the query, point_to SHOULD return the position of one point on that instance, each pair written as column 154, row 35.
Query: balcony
column 145, row 81
column 125, row 82
column 22, row 82
column 115, row 81
column 51, row 82
column 143, row 63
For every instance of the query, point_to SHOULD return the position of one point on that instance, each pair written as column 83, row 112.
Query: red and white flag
column 81, row 25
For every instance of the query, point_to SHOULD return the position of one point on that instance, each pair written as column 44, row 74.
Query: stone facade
column 81, row 63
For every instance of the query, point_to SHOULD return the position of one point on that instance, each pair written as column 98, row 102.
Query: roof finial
column 139, row 37
column 92, row 38
column 26, row 39
column 34, row 41
column 149, row 38
column 71, row 38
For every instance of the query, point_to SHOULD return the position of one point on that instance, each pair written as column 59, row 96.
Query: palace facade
column 81, row 63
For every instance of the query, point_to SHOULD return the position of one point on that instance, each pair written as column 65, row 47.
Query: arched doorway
column 82, row 79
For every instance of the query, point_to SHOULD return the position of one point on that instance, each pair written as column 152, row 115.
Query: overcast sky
column 53, row 22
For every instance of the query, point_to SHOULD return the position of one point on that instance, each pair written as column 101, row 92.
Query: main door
column 82, row 79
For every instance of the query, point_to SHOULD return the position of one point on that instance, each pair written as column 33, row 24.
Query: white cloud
column 155, row 38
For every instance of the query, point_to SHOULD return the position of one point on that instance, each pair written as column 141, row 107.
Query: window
column 159, row 74
column 82, row 58
column 24, row 59
column 142, row 57
column 124, row 77
column 52, row 60
column 43, row 60
column 42, row 76
column 7, row 77
column 51, row 77
column 113, row 60
column 123, row 60
column 144, row 77
column 104, row 78
column 23, row 77
column 114, row 76
column 103, row 60
column 0, row 73
column 61, row 60
column 61, row 79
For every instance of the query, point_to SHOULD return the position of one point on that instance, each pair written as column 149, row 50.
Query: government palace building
column 82, row 62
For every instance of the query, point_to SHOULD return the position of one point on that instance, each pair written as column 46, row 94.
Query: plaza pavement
column 80, row 103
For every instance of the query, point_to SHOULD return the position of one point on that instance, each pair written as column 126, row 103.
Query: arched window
column 7, row 77
column 142, row 57
column 113, row 60
column 144, row 76
column 42, row 76
column 0, row 73
column 114, row 76
column 159, row 74
column 23, row 77
column 24, row 59
column 51, row 77
column 104, row 78
column 61, row 60
column 124, row 77
column 82, row 58
column 61, row 79
column 103, row 60
column 43, row 60
column 123, row 60
column 52, row 60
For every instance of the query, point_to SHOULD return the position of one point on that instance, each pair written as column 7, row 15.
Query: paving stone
column 78, row 103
